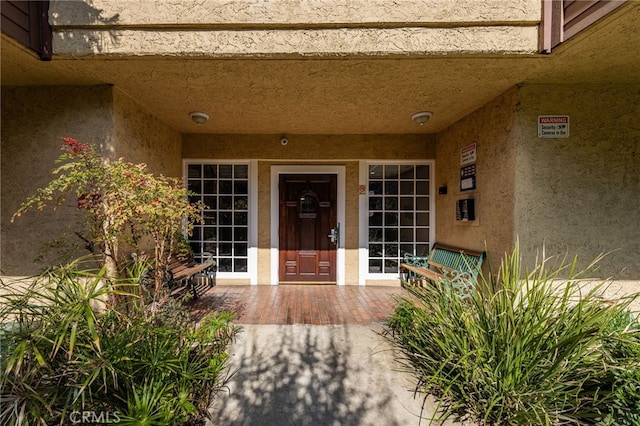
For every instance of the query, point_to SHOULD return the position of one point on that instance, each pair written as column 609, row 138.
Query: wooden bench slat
column 444, row 262
column 425, row 272
column 188, row 272
column 183, row 269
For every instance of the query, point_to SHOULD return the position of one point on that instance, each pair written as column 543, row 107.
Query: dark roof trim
column 28, row 23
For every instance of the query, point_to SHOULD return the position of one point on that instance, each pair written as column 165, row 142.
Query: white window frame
column 252, row 243
column 363, row 208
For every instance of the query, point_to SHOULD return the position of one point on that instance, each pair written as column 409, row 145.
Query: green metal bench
column 456, row 265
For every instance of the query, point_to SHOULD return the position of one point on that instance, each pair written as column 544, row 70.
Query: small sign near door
column 468, row 178
column 553, row 126
column 468, row 154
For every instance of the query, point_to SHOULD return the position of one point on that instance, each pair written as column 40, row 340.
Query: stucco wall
column 581, row 195
column 142, row 138
column 293, row 28
column 297, row 43
column 242, row 12
column 576, row 196
column 493, row 128
column 33, row 121
column 264, row 223
column 308, row 149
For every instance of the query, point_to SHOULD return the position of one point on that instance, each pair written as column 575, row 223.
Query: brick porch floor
column 299, row 304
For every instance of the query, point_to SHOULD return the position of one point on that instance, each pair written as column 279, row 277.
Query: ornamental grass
column 529, row 347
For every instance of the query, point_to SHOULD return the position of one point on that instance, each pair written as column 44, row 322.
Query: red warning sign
column 553, row 126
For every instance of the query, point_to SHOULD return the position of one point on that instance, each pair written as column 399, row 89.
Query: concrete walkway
column 313, row 355
column 316, row 375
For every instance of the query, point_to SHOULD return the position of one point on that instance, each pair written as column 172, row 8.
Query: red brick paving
column 299, row 304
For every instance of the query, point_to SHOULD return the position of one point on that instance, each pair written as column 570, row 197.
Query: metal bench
column 456, row 265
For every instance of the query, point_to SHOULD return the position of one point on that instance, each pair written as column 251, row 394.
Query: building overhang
column 284, row 67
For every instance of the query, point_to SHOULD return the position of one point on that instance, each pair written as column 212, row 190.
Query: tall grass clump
column 523, row 348
column 68, row 356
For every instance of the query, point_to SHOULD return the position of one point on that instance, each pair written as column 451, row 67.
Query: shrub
column 65, row 351
column 123, row 203
column 521, row 349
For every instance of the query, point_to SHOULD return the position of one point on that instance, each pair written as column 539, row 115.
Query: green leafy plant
column 624, row 409
column 524, row 348
column 65, row 350
column 123, row 203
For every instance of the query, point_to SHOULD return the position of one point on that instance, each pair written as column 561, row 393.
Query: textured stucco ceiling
column 362, row 95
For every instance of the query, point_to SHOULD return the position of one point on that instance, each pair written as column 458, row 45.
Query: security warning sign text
column 553, row 126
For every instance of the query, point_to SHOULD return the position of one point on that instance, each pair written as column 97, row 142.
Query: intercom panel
column 465, row 210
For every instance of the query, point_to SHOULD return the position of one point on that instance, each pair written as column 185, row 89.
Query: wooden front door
column 307, row 216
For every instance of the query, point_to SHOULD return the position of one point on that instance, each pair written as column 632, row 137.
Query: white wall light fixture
column 421, row 117
column 199, row 117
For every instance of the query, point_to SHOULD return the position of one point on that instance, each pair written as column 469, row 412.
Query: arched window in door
column 308, row 206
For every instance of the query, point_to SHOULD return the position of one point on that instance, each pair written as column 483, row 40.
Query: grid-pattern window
column 224, row 189
column 398, row 214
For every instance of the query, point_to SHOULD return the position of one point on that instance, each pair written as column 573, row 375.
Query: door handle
column 334, row 235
